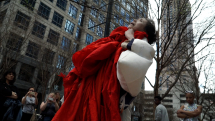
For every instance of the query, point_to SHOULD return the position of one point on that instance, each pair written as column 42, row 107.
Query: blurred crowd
column 14, row 107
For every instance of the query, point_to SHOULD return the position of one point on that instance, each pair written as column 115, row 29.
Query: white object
column 133, row 65
column 62, row 100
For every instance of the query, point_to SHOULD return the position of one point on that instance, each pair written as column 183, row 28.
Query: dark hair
column 30, row 88
column 150, row 30
column 158, row 97
column 6, row 73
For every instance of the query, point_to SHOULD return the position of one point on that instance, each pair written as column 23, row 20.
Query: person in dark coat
column 8, row 91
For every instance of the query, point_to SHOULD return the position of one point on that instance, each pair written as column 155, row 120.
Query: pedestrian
column 49, row 107
column 29, row 101
column 161, row 113
column 92, row 88
column 189, row 111
column 10, row 105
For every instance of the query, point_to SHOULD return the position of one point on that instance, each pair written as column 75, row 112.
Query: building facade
column 39, row 37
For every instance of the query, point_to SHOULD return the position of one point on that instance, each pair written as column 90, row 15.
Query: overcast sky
column 204, row 15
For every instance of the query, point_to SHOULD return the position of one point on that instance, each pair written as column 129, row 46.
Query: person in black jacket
column 7, row 91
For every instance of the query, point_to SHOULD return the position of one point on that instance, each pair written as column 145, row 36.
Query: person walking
column 190, row 111
column 161, row 113
column 29, row 101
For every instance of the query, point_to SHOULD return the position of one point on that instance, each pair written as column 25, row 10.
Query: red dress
column 91, row 89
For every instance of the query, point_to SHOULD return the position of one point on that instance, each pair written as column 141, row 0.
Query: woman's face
column 138, row 24
column 57, row 95
column 9, row 77
column 52, row 96
column 31, row 90
column 190, row 98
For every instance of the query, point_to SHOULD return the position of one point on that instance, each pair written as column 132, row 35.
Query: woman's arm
column 24, row 98
column 13, row 96
column 193, row 113
column 36, row 100
column 180, row 114
column 56, row 106
column 4, row 91
column 43, row 106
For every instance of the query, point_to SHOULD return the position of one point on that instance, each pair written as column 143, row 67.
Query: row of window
column 92, row 27
column 26, row 73
column 22, row 21
column 44, row 10
column 15, row 43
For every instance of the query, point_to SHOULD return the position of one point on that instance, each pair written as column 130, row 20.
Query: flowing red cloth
column 91, row 89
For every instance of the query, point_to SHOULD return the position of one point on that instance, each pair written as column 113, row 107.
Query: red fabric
column 91, row 89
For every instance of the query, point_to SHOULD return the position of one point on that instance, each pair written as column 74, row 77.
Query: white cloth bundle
column 133, row 65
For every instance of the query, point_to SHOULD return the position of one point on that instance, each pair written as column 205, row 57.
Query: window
column 128, row 7
column 69, row 27
column 82, row 8
column 99, row 31
column 117, row 6
column 59, row 83
column 91, row 25
column 28, row 4
column 48, row 56
column 101, row 18
column 53, row 37
column 2, row 15
column 132, row 12
column 77, row 34
column 14, row 42
column 89, row 39
column 26, row 72
column 121, row 22
column 93, row 12
column 57, row 19
column 133, row 3
column 39, row 29
column 116, row 18
column 122, row 12
column 62, row 4
column 123, row 2
column 113, row 26
column 44, row 11
column 22, row 20
column 182, row 95
column 73, row 11
column 6, row 2
column 103, row 5
column 32, row 50
column 166, row 100
column 80, row 19
column 61, row 62
column 75, row 47
column 96, row 1
column 65, row 44
column 127, row 16
column 145, row 8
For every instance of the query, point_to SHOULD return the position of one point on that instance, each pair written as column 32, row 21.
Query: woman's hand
column 27, row 93
column 124, row 44
column 129, row 34
column 36, row 94
column 14, row 93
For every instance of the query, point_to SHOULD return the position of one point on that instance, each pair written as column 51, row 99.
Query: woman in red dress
column 91, row 89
